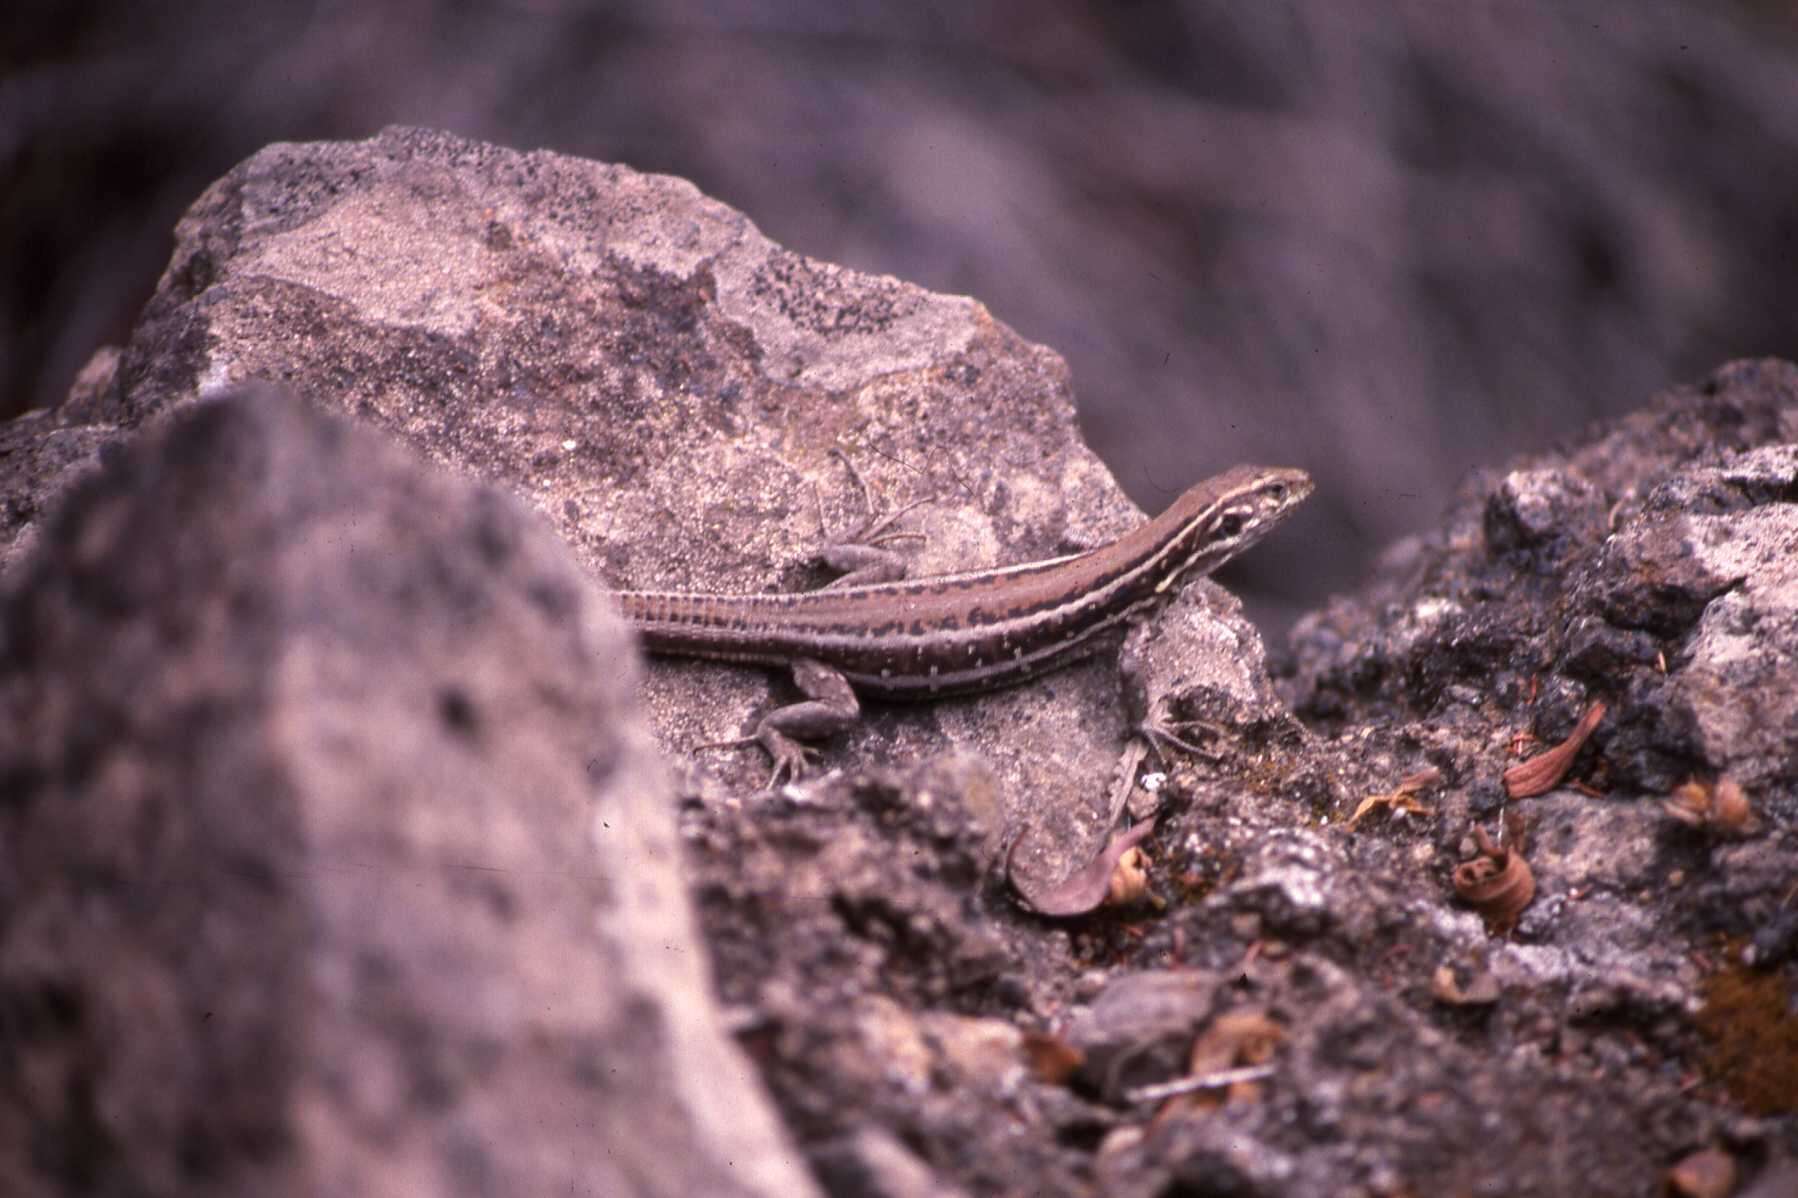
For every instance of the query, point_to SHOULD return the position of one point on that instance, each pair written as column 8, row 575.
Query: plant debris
column 1543, row 772
column 1233, row 1056
column 1498, row 883
column 1050, row 1058
column 1129, row 881
column 1223, row 1079
column 1403, row 798
column 1722, row 807
column 1748, row 1019
column 1469, row 987
column 1089, row 886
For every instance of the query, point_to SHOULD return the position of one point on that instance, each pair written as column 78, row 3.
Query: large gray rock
column 666, row 385
column 334, row 858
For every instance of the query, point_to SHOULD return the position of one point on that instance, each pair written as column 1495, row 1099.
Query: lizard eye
column 1277, row 492
column 1230, row 525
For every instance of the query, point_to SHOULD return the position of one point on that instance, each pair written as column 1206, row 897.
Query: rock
column 1537, row 515
column 637, row 362
column 873, row 1162
column 1779, row 1179
column 1735, row 679
column 1200, row 669
column 333, row 857
column 1140, row 1028
column 40, row 456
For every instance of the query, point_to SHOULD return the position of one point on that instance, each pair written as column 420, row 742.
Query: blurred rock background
column 1385, row 242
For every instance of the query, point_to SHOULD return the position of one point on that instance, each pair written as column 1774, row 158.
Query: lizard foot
column 1164, row 734
column 790, row 757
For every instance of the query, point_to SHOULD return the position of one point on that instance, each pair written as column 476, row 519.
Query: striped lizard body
column 962, row 633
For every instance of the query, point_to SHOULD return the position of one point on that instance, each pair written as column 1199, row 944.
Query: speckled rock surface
column 333, row 859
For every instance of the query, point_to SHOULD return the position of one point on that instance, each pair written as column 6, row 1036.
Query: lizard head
column 1222, row 516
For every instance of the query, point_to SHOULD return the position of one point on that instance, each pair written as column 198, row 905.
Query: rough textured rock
column 333, row 857
column 665, row 385
column 40, row 455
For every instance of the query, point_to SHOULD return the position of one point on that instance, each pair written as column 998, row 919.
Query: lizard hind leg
column 830, row 707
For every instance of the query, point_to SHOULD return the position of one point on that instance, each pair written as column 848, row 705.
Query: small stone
column 1536, row 510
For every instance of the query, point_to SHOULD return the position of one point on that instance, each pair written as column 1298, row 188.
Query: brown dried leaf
column 1729, row 806
column 1401, row 798
column 1720, row 808
column 1051, row 1059
column 1237, row 1038
column 1129, row 879
column 1087, row 887
column 1419, row 781
column 1543, row 772
column 1498, row 883
column 1245, row 1037
column 1396, row 799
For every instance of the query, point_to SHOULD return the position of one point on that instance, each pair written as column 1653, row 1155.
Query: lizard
column 904, row 639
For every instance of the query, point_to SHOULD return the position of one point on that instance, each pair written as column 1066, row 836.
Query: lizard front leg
column 860, row 556
column 831, row 706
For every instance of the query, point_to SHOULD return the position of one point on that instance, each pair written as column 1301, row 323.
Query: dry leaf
column 1129, row 879
column 1086, row 889
column 1543, row 772
column 1498, row 883
column 1051, row 1059
column 1403, row 798
column 1243, row 1041
column 1235, row 1038
column 1721, row 808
